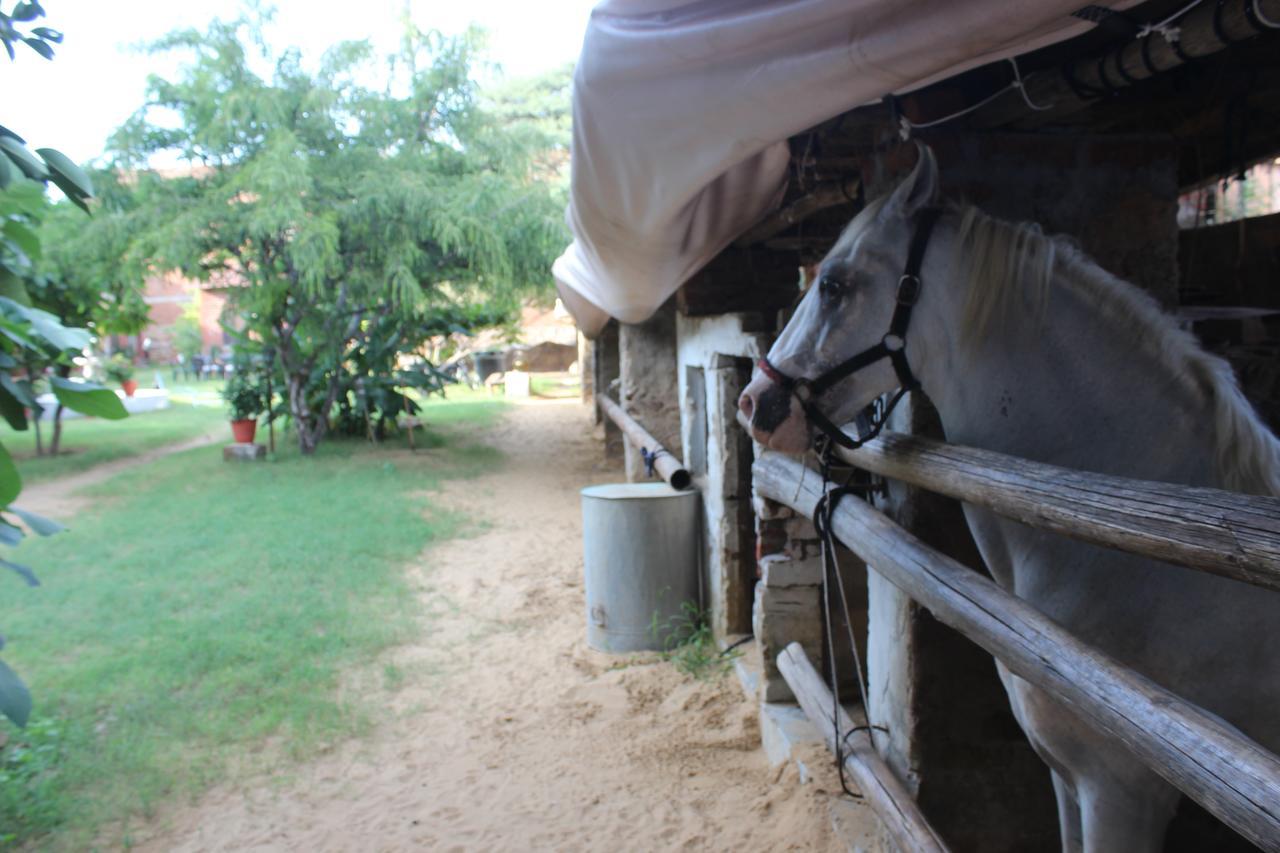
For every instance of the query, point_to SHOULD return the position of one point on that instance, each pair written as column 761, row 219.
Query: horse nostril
column 746, row 404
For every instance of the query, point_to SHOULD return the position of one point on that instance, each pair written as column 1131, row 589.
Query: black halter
column 892, row 346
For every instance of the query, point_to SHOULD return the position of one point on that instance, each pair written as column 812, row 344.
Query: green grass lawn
column 91, row 441
column 557, row 385
column 203, row 616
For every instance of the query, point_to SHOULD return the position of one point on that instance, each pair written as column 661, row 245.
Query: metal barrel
column 640, row 554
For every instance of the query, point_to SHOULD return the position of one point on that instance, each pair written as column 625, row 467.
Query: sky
column 97, row 79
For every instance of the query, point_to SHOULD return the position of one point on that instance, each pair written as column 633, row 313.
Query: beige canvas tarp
column 682, row 111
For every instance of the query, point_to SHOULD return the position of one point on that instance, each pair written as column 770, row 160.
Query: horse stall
column 1117, row 125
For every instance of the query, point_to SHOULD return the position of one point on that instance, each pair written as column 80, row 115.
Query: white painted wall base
column 143, row 400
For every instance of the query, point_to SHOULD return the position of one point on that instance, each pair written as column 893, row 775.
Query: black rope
column 1083, row 90
column 1176, row 46
column 831, row 578
column 1219, row 31
column 1124, row 72
column 1102, row 75
column 650, row 459
column 1146, row 57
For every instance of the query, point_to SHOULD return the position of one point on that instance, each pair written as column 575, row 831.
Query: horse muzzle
column 777, row 420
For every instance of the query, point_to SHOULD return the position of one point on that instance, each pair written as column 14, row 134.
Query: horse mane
column 1009, row 269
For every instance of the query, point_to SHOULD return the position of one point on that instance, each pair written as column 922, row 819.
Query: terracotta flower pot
column 243, row 430
column 129, row 386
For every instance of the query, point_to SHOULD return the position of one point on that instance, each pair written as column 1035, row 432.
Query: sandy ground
column 507, row 732
column 60, row 497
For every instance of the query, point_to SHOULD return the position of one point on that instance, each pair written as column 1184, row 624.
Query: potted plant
column 120, row 370
column 245, row 403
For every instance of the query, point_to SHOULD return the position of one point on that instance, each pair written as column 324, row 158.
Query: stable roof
column 682, row 111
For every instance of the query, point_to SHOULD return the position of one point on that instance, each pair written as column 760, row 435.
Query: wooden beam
column 824, row 196
column 1224, row 533
column 1213, row 763
column 666, row 465
column 884, row 792
column 1072, row 90
column 742, row 280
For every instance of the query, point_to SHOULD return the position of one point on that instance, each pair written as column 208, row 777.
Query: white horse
column 1027, row 347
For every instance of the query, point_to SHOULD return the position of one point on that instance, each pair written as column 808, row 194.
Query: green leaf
column 11, row 409
column 26, row 12
column 39, row 47
column 26, row 239
column 60, row 163
column 10, row 534
column 19, row 388
column 15, row 699
column 10, row 479
column 48, row 34
column 22, row 571
column 87, row 398
column 39, row 525
column 12, row 286
column 61, row 337
column 30, row 165
column 64, row 171
column 6, row 174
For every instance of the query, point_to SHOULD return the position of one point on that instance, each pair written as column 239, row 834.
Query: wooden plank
column 886, row 795
column 1217, row 766
column 1224, row 533
column 1198, row 38
column 666, row 465
column 822, row 197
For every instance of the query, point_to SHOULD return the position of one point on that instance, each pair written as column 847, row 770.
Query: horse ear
column 920, row 189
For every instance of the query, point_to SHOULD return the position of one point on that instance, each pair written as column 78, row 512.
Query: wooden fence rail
column 667, row 466
column 1229, row 534
column 888, row 797
column 1227, row 773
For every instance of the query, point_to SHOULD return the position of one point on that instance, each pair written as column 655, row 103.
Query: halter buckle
column 893, row 343
column 908, row 289
column 802, row 390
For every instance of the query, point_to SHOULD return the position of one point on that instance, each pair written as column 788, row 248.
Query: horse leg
column 1120, row 819
column 1068, row 815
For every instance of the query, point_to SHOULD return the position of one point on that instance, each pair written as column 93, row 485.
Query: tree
column 30, row 337
column 82, row 278
column 347, row 210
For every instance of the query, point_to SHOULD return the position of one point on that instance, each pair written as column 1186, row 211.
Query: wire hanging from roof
column 907, row 125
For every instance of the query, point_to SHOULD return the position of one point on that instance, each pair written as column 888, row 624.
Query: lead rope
column 831, row 577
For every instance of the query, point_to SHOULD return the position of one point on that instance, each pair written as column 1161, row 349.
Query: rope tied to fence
column 650, row 458
column 831, row 578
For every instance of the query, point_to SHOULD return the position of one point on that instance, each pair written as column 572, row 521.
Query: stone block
column 771, row 536
column 781, row 570
column 770, row 510
column 238, row 452
column 803, row 549
column 800, row 527
column 783, row 616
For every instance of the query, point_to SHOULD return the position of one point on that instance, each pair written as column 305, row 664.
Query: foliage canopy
column 334, row 210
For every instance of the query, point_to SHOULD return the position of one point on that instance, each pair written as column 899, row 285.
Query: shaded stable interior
column 1099, row 157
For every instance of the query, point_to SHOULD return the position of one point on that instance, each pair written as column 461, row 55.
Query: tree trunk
column 310, row 426
column 55, row 443
column 39, row 442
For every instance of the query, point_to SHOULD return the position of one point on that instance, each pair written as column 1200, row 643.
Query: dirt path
column 507, row 732
column 57, row 498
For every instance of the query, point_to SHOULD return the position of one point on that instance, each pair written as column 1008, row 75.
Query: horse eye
column 831, row 287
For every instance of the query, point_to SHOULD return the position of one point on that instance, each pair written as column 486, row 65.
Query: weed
column 688, row 642
column 29, row 764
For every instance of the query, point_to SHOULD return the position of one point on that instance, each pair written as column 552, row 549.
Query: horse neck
column 1067, row 387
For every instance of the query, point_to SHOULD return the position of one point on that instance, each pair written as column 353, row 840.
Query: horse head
column 845, row 313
